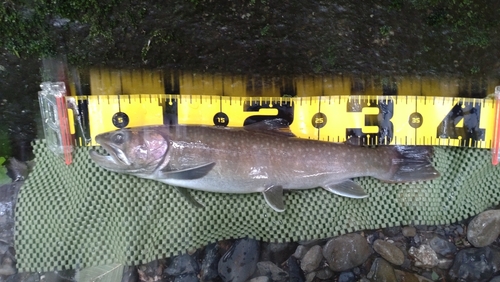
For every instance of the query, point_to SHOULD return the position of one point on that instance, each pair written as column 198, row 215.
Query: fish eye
column 118, row 139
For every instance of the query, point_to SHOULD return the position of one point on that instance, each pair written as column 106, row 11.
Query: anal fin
column 346, row 188
column 274, row 198
column 187, row 195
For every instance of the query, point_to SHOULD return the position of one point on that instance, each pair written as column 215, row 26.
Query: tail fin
column 411, row 163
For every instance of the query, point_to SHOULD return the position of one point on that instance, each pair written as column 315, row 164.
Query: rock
column 269, row 269
column 381, row 271
column 409, row 231
column 300, row 251
column 310, row 276
column 240, row 261
column 324, row 273
column 495, row 279
column 405, row 276
column 277, row 252
column 190, row 277
column 442, row 246
column 182, row 265
column 475, row 264
column 25, row 277
column 347, row 277
column 260, row 279
column 392, row 231
column 311, row 259
column 209, row 263
column 445, row 263
column 424, row 256
column 389, row 252
column 130, row 274
column 8, row 266
column 346, row 251
column 484, row 228
column 295, row 273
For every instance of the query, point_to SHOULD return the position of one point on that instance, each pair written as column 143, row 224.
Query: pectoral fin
column 274, row 198
column 188, row 173
column 347, row 188
column 187, row 195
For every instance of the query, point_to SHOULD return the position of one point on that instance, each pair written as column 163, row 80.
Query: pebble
column 442, row 246
column 295, row 274
column 409, row 231
column 389, row 252
column 209, row 263
column 475, row 264
column 347, row 276
column 324, row 273
column 260, row 279
column 8, row 267
column 424, row 256
column 381, row 270
column 300, row 251
column 346, row 251
column 269, row 269
column 191, row 277
column 277, row 252
column 182, row 265
column 130, row 274
column 311, row 259
column 484, row 228
column 240, row 261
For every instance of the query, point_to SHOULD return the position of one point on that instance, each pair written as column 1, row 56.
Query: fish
column 263, row 157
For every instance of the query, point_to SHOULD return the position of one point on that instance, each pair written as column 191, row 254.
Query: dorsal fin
column 276, row 126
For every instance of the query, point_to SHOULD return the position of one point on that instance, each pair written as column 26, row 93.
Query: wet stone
column 300, row 251
column 295, row 273
column 191, row 277
column 442, row 246
column 310, row 276
column 389, row 252
column 182, row 265
column 346, row 251
column 392, row 231
column 424, row 256
column 269, row 269
column 347, row 277
column 260, row 279
column 209, row 263
column 277, row 252
column 475, row 264
column 130, row 274
column 324, row 273
column 311, row 259
column 484, row 228
column 405, row 276
column 8, row 266
column 240, row 261
column 409, row 231
column 381, row 271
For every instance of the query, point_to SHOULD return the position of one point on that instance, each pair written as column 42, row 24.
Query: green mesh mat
column 81, row 215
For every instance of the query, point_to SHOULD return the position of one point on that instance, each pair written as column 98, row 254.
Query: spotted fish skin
column 259, row 159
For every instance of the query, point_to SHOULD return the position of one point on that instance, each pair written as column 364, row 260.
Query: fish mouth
column 113, row 159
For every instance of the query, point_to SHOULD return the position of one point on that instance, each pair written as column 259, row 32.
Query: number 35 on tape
column 392, row 120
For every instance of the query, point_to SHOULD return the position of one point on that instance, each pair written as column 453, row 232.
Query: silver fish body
column 260, row 158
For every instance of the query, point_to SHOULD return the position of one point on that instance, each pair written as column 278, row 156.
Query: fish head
column 132, row 150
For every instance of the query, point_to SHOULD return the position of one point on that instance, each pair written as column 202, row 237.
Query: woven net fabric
column 82, row 215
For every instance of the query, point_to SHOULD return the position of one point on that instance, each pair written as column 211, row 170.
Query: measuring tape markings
column 394, row 120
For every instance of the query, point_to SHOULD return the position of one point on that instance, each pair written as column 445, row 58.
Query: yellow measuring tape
column 392, row 120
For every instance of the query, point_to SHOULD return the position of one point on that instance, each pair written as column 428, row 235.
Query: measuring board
column 374, row 120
